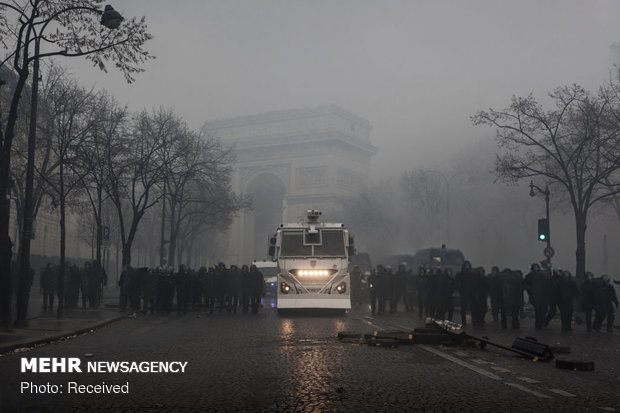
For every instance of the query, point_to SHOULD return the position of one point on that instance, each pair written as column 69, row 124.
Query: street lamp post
column 533, row 190
column 111, row 19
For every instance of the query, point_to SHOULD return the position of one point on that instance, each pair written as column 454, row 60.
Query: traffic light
column 543, row 229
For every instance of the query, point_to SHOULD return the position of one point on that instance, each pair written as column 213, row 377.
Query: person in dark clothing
column 246, row 282
column 605, row 298
column 257, row 288
column 72, row 285
column 96, row 280
column 587, row 298
column 512, row 296
column 195, row 294
column 567, row 293
column 381, row 288
column 234, row 292
column 452, row 298
column 464, row 282
column 410, row 291
column 166, row 284
column 220, row 285
column 480, row 293
column 123, row 283
column 211, row 288
column 421, row 281
column 432, row 292
column 554, row 295
column 202, row 278
column 372, row 290
column 49, row 283
column 136, row 285
column 398, row 285
column 85, row 276
column 150, row 291
column 183, row 286
column 356, row 285
column 537, row 283
column 441, row 287
column 495, row 292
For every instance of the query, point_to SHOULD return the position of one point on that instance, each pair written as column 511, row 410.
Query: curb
column 45, row 340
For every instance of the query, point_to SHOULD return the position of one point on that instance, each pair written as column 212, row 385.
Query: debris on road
column 444, row 332
column 574, row 365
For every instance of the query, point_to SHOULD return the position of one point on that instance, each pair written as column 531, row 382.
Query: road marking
column 474, row 368
column 460, row 362
column 461, row 354
column 525, row 389
column 607, row 409
column 480, row 361
column 500, row 369
column 562, row 392
column 528, row 380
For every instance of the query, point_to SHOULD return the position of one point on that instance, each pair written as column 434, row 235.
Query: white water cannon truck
column 312, row 264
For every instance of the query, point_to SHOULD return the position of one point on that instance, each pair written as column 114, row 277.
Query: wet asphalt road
column 265, row 362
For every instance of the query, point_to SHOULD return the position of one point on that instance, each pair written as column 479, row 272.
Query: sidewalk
column 44, row 327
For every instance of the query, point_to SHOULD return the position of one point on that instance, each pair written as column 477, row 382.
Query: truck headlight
column 342, row 288
column 285, row 288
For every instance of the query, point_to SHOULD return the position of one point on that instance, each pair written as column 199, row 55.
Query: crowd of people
column 88, row 280
column 215, row 288
column 437, row 291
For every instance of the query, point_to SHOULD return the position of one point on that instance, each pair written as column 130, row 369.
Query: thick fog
column 416, row 70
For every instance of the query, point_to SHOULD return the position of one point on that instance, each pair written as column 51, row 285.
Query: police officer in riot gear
column 464, row 281
column 512, row 296
column 356, row 285
column 605, row 298
column 587, row 298
column 495, row 292
column 49, row 282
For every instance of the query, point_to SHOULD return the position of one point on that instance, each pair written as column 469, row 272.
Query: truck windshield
column 293, row 245
column 332, row 244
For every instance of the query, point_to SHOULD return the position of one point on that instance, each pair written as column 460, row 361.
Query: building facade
column 290, row 161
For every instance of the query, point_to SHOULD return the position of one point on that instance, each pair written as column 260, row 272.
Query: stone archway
column 267, row 191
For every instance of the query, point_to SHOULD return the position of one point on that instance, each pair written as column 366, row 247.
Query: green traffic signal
column 543, row 229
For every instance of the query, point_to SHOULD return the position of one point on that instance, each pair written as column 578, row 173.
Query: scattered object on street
column 560, row 349
column 532, row 346
column 88, row 355
column 132, row 315
column 574, row 365
column 444, row 332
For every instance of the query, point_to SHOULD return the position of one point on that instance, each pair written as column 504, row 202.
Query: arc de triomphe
column 290, row 161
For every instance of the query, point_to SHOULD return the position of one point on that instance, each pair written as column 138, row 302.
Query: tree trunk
column 25, row 278
column 99, row 229
column 580, row 253
column 172, row 242
column 63, row 240
column 6, row 245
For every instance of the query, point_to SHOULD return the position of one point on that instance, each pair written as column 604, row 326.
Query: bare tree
column 373, row 219
column 72, row 122
column 574, row 146
column 110, row 123
column 424, row 191
column 134, row 173
column 212, row 209
column 200, row 167
column 75, row 31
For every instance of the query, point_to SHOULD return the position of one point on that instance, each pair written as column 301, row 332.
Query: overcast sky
column 415, row 69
